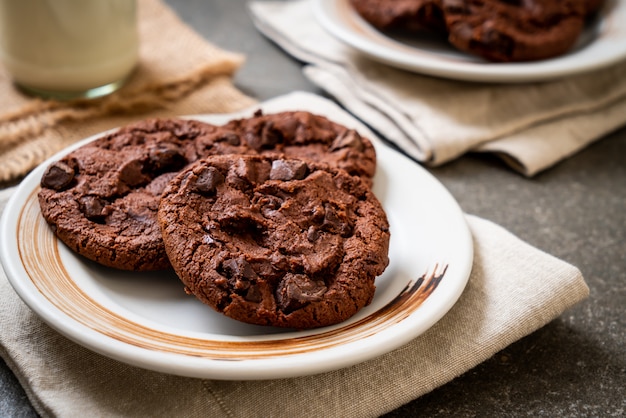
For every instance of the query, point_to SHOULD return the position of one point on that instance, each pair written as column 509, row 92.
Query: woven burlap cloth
column 532, row 126
column 178, row 73
column 513, row 290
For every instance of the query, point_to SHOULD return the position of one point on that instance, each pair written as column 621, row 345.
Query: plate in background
column 602, row 43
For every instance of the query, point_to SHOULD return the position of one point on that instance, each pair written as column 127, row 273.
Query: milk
column 68, row 46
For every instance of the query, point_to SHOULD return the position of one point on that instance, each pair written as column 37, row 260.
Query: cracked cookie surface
column 306, row 136
column 273, row 240
column 102, row 199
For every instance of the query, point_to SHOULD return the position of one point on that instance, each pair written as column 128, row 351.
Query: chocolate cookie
column 102, row 198
column 275, row 241
column 301, row 135
column 401, row 15
column 497, row 30
column 514, row 30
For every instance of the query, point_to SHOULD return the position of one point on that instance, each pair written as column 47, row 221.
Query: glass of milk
column 65, row 49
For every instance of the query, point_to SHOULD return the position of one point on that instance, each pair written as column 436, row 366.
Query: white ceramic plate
column 602, row 43
column 146, row 319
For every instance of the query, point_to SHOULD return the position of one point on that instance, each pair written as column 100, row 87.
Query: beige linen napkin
column 532, row 126
column 513, row 290
column 178, row 73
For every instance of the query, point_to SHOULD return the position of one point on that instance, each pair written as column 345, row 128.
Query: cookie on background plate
column 496, row 30
column 515, row 30
column 276, row 241
column 401, row 15
column 102, row 199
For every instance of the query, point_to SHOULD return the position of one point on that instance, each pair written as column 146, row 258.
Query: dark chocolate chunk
column 296, row 290
column 250, row 171
column 334, row 223
column 269, row 206
column 93, row 207
column 240, row 274
column 268, row 137
column 207, row 180
column 166, row 156
column 348, row 139
column 131, row 173
column 239, row 268
column 312, row 233
column 253, row 294
column 286, row 170
column 58, row 176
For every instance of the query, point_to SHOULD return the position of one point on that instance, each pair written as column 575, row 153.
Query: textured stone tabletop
column 576, row 365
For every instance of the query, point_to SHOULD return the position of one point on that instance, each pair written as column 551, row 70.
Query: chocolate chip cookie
column 274, row 240
column 303, row 135
column 496, row 30
column 102, row 198
column 401, row 15
column 514, row 30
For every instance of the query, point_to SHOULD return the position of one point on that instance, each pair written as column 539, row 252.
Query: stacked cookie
column 269, row 219
column 497, row 30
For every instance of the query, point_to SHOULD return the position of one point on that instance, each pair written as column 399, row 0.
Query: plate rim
column 431, row 64
column 291, row 366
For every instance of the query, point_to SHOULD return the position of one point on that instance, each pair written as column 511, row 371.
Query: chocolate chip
column 317, row 214
column 297, row 290
column 253, row 294
column 250, row 171
column 165, row 156
column 265, row 268
column 290, row 127
column 131, row 173
column 334, row 223
column 242, row 278
column 312, row 234
column 58, row 176
column 269, row 205
column 279, row 261
column 286, row 170
column 348, row 139
column 268, row 137
column 239, row 268
column 207, row 180
column 93, row 207
column 330, row 218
